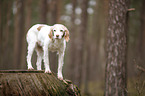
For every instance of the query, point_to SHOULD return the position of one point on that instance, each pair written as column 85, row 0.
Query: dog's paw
column 31, row 68
column 49, row 72
column 60, row 77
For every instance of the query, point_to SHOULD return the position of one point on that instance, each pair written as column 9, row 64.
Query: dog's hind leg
column 39, row 58
column 31, row 47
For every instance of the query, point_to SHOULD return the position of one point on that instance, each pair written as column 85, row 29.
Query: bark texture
column 34, row 83
column 116, row 49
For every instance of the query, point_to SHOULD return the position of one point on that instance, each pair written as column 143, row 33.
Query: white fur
column 40, row 41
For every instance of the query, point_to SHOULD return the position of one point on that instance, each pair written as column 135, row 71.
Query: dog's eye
column 61, row 30
column 54, row 30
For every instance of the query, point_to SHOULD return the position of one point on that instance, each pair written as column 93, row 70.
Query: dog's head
column 59, row 31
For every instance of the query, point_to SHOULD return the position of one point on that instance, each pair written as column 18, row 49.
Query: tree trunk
column 1, row 33
column 28, row 14
column 7, row 34
column 43, row 11
column 5, row 24
column 19, row 33
column 87, row 68
column 81, row 42
column 34, row 83
column 97, row 40
column 28, row 21
column 142, row 36
column 116, row 49
column 72, row 42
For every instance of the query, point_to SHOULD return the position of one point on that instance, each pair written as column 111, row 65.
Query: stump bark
column 34, row 83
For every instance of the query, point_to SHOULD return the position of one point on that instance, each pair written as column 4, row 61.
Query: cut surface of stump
column 34, row 83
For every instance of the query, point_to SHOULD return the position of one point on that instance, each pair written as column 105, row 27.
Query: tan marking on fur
column 39, row 48
column 51, row 34
column 39, row 28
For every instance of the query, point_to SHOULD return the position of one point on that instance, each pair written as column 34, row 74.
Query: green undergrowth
column 136, row 87
column 95, row 88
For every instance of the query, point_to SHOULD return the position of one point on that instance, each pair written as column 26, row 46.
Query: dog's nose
column 57, row 36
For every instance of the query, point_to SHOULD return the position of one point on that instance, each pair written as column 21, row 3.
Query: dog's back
column 32, row 35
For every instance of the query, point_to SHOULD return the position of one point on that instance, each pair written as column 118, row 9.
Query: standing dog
column 43, row 38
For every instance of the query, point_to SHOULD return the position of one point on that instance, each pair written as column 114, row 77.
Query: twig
column 140, row 68
column 131, row 9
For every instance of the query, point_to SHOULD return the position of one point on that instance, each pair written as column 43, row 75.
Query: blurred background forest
column 86, row 51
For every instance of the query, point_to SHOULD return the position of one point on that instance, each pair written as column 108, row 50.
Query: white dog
column 43, row 38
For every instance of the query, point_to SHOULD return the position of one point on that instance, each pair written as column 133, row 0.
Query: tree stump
column 34, row 83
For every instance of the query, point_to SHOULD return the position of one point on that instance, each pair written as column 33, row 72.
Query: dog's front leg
column 46, row 59
column 60, row 65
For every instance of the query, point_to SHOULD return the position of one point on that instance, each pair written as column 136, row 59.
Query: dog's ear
column 51, row 33
column 66, row 36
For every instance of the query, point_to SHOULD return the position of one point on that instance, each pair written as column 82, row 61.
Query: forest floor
column 135, row 87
